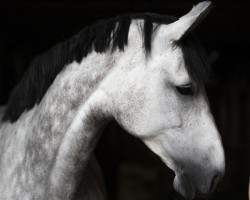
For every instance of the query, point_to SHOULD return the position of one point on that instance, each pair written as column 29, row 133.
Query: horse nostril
column 214, row 182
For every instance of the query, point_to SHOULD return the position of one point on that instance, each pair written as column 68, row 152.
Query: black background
column 28, row 28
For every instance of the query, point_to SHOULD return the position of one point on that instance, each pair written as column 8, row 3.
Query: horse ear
column 188, row 22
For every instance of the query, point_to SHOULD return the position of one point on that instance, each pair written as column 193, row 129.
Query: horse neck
column 72, row 89
column 56, row 138
column 68, row 120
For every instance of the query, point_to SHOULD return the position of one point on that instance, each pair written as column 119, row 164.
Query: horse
column 146, row 72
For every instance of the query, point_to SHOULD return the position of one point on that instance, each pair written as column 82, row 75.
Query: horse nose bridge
column 214, row 160
column 211, row 148
column 216, row 152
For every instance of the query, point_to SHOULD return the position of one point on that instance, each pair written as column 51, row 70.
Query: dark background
column 28, row 28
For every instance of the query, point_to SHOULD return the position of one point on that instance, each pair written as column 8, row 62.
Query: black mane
column 98, row 37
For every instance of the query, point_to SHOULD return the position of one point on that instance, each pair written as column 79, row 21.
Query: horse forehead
column 171, row 62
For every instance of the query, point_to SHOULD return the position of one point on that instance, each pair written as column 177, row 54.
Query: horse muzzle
column 189, row 187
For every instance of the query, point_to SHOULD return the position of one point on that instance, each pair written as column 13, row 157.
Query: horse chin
column 183, row 186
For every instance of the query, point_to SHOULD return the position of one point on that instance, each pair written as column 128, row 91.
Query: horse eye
column 187, row 90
